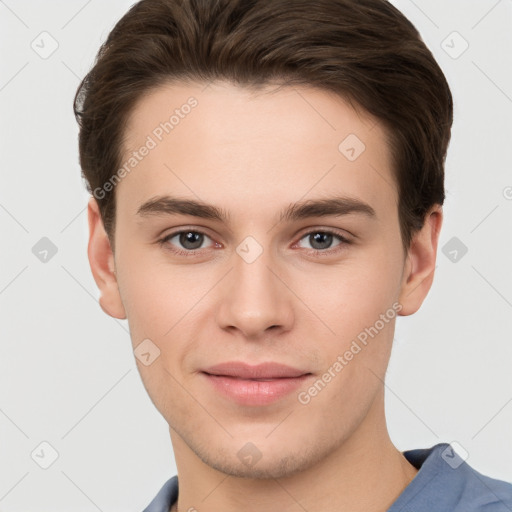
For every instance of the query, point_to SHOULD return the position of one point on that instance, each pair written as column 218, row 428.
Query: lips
column 254, row 386
column 261, row 372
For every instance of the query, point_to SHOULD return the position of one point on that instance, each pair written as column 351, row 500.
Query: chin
column 261, row 459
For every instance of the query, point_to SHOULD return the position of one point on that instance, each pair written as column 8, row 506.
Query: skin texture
column 253, row 154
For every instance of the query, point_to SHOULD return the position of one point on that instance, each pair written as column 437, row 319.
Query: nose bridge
column 255, row 298
column 252, row 273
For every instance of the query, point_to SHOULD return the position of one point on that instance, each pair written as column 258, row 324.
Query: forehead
column 263, row 144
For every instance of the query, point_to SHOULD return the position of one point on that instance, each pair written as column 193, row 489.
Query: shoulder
column 165, row 498
column 485, row 494
column 445, row 482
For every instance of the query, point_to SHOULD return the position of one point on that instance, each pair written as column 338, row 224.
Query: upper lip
column 241, row 370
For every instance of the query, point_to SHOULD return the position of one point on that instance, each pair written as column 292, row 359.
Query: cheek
column 352, row 295
column 149, row 294
column 357, row 301
column 165, row 304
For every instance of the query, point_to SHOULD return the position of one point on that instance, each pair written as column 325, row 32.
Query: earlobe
column 421, row 263
column 101, row 260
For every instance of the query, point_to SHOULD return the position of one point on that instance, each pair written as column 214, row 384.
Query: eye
column 185, row 241
column 188, row 242
column 322, row 240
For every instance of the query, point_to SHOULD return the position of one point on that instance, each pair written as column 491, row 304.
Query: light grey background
column 67, row 373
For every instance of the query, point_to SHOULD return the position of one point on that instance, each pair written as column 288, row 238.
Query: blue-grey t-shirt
column 444, row 483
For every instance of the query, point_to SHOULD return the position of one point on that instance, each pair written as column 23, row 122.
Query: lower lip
column 254, row 392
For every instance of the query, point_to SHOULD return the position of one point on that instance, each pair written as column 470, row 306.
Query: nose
column 254, row 298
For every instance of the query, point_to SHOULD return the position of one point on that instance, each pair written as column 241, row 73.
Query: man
column 267, row 184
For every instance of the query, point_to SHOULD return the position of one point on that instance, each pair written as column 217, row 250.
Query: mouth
column 263, row 371
column 259, row 385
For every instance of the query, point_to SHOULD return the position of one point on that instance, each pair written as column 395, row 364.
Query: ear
column 101, row 260
column 420, row 263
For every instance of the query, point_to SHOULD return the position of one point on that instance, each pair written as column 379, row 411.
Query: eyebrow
column 331, row 206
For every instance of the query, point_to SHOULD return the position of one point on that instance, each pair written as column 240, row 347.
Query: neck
column 364, row 473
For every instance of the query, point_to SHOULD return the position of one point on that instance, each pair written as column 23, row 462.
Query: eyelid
column 186, row 229
column 343, row 234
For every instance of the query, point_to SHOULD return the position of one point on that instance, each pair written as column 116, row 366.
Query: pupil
column 320, row 240
column 191, row 240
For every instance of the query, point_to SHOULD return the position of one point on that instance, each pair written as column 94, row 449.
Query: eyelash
column 316, row 252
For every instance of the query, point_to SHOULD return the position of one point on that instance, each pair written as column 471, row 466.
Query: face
column 262, row 227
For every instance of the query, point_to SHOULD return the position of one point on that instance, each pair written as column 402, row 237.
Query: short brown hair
column 366, row 51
